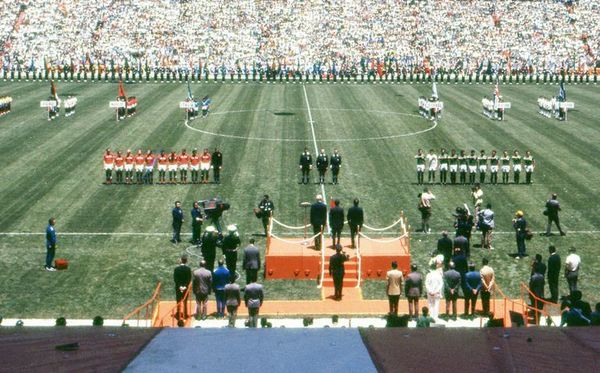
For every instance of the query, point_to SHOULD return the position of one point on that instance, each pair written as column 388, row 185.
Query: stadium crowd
column 336, row 37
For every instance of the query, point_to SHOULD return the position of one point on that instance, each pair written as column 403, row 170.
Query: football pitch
column 116, row 237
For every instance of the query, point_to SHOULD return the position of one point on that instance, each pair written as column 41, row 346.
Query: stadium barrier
column 546, row 310
column 171, row 317
column 147, row 312
column 155, row 76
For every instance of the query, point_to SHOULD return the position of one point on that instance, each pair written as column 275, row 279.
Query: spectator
column 554, row 265
column 232, row 299
column 538, row 265
column 413, row 288
column 182, row 275
column 595, row 316
column 220, row 279
column 572, row 266
column 393, row 287
column 253, row 297
column 202, row 286
column 451, row 288
column 488, row 282
column 251, row 262
column 536, row 295
column 424, row 321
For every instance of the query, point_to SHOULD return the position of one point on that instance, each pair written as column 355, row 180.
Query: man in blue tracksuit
column 50, row 244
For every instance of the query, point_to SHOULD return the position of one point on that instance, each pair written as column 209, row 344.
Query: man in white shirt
column 425, row 208
column 572, row 265
column 432, row 161
column 434, row 284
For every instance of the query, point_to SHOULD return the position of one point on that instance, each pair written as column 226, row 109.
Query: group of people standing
column 323, row 163
column 471, row 168
column 139, row 167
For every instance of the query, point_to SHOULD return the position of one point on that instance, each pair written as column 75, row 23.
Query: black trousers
column 338, row 284
column 553, row 286
column 251, row 275
column 231, row 261
column 485, row 301
column 317, row 229
column 305, row 175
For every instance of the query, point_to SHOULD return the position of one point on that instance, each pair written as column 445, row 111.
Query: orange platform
column 285, row 260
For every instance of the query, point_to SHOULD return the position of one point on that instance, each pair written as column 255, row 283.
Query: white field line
column 288, row 234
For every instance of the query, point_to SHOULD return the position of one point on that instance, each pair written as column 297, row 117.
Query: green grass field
column 55, row 169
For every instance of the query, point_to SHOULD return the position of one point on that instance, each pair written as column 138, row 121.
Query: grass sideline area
column 54, row 169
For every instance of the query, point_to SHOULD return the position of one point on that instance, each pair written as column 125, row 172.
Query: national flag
column 121, row 90
column 562, row 93
column 434, row 92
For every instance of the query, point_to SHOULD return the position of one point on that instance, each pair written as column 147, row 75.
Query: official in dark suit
column 266, row 208
column 462, row 242
column 413, row 288
column 520, row 225
column 355, row 220
column 444, row 247
column 322, row 165
column 209, row 247
column 337, row 271
column 451, row 288
column 536, row 285
column 472, row 288
column 552, row 209
column 554, row 266
column 253, row 297
column 251, row 262
column 335, row 162
column 182, row 275
column 305, row 165
column 336, row 222
column 177, row 214
column 216, row 163
column 230, row 245
column 196, row 223
column 318, row 219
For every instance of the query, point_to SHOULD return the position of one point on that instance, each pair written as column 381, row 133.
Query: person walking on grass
column 50, row 244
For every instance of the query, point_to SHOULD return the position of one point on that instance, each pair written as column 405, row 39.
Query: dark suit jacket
column 251, row 257
column 253, row 291
column 451, row 280
column 182, row 275
column 336, row 217
column 536, row 284
column 177, row 217
column 462, row 242
column 473, row 281
column 336, row 264
column 355, row 216
column 318, row 213
column 444, row 247
column 413, row 286
column 554, row 266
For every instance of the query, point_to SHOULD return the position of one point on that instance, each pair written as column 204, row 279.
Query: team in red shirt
column 142, row 165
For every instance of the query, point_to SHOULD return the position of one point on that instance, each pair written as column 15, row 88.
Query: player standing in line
column 183, row 162
column 305, row 165
column 119, row 163
column 462, row 166
column 505, row 159
column 472, row 160
column 206, row 101
column 529, row 166
column 149, row 160
column 493, row 158
column 163, row 161
column 139, row 166
column 322, row 165
column 482, row 165
column 205, row 160
column 453, row 160
column 129, row 161
column 109, row 163
column 432, row 161
column 516, row 163
column 420, row 157
column 173, row 159
column 195, row 165
column 443, row 159
column 216, row 163
column 335, row 162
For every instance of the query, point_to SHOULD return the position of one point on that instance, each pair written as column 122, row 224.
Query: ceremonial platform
column 299, row 259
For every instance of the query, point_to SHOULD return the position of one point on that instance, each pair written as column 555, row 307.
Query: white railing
column 358, row 259
column 322, row 248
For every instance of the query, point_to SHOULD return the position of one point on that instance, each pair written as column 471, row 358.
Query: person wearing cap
column 552, row 209
column 318, row 219
column 266, row 208
column 393, row 287
column 209, row 246
column 305, row 165
column 182, row 275
column 230, row 245
column 520, row 225
column 337, row 271
column 572, row 265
